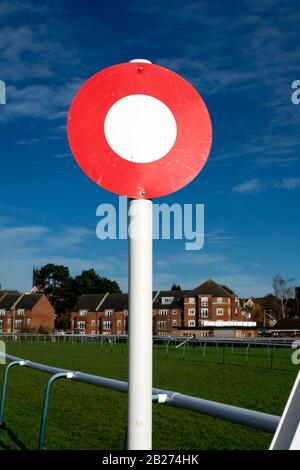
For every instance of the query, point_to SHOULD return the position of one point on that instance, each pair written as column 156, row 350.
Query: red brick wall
column 118, row 323
column 42, row 314
column 231, row 311
column 168, row 328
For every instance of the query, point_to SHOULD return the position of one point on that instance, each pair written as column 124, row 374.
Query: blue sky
column 242, row 57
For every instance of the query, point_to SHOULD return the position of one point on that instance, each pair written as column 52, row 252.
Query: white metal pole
column 139, row 431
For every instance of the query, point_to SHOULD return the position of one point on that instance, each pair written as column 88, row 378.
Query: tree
column 63, row 290
column 56, row 282
column 52, row 276
column 89, row 282
column 283, row 292
column 176, row 287
column 228, row 290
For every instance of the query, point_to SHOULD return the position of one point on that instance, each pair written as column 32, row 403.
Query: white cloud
column 28, row 141
column 246, row 285
column 250, row 186
column 23, row 247
column 39, row 101
column 289, row 183
column 280, row 161
column 62, row 155
column 8, row 7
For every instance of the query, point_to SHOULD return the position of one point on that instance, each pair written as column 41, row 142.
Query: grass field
column 83, row 416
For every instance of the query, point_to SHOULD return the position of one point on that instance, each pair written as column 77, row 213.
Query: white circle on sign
column 140, row 128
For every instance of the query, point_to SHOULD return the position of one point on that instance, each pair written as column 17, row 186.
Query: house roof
column 88, row 302
column 176, row 294
column 5, row 291
column 8, row 300
column 28, row 301
column 209, row 287
column 116, row 302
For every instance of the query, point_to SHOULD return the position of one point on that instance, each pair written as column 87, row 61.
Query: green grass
column 83, row 416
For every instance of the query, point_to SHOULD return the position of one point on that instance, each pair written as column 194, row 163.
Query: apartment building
column 211, row 310
column 103, row 314
column 167, row 312
column 25, row 313
column 207, row 310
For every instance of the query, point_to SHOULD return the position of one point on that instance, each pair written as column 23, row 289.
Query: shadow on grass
column 13, row 437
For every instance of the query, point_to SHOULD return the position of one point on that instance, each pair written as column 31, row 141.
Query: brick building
column 100, row 314
column 167, row 312
column 202, row 311
column 211, row 310
column 25, row 313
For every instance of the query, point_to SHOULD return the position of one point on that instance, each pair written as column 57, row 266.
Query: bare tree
column 283, row 291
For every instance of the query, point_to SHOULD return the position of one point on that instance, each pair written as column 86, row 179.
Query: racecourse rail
column 256, row 419
column 263, row 341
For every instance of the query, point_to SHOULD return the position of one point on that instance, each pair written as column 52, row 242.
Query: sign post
column 142, row 131
column 139, row 430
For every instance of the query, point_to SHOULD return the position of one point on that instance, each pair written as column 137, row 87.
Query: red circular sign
column 139, row 130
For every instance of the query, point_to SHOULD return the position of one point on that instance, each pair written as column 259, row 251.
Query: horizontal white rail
column 256, row 419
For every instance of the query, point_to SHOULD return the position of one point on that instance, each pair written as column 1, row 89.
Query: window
column 167, row 300
column 229, row 300
column 219, row 300
column 125, row 312
column 204, row 301
column 174, row 312
column 192, row 300
column 93, row 332
column 2, row 311
column 161, row 325
column 174, row 322
column 163, row 312
column 18, row 322
column 81, row 324
column 191, row 311
column 119, row 323
column 191, row 322
column 219, row 311
column 108, row 313
column 93, row 323
column 28, row 321
column 83, row 313
column 1, row 323
column 9, row 321
column 204, row 312
column 8, row 330
column 107, row 325
column 21, row 311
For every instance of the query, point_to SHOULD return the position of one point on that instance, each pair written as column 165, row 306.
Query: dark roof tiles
column 209, row 287
column 88, row 302
column 116, row 302
column 8, row 301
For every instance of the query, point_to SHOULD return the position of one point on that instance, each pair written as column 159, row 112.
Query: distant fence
column 255, row 419
column 233, row 351
column 263, row 341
